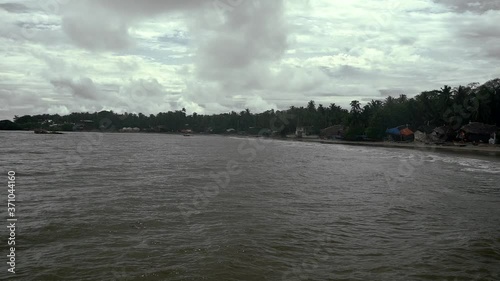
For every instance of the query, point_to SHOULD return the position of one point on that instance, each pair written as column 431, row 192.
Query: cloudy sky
column 211, row 56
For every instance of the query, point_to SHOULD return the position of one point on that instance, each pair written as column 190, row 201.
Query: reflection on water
column 164, row 207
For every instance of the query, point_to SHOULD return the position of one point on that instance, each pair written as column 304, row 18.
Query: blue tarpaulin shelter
column 393, row 131
column 400, row 133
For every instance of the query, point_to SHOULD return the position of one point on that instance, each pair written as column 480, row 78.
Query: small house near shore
column 427, row 134
column 477, row 132
column 84, row 125
column 129, row 130
column 300, row 132
column 443, row 134
column 333, row 132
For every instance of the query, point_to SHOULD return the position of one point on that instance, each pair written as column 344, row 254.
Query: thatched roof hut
column 443, row 134
column 476, row 131
column 479, row 128
column 443, row 130
column 333, row 131
column 426, row 129
column 435, row 135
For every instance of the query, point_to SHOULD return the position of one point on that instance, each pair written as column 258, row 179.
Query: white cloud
column 154, row 55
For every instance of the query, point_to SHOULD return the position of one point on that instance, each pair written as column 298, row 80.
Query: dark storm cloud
column 471, row 5
column 236, row 40
column 221, row 55
column 252, row 30
column 407, row 40
column 94, row 36
column 328, row 95
column 479, row 36
column 14, row 7
column 150, row 7
column 104, row 25
column 236, row 43
column 481, row 31
column 83, row 87
column 93, row 28
column 252, row 34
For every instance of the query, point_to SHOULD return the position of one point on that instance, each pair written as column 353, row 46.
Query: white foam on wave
column 467, row 164
column 481, row 170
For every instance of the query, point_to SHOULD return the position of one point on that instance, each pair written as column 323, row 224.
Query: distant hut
column 265, row 132
column 423, row 134
column 407, row 134
column 333, row 132
column 442, row 134
column 160, row 128
column 41, row 131
column 299, row 132
column 422, row 137
column 426, row 129
column 254, row 131
column 477, row 132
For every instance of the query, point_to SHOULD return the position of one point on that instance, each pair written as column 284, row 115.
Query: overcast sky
column 62, row 56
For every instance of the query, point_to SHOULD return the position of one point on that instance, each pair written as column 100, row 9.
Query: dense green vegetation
column 9, row 125
column 446, row 106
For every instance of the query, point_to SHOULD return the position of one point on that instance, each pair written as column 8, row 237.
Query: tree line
column 446, row 106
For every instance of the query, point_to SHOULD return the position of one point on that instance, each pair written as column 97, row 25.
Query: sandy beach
column 484, row 149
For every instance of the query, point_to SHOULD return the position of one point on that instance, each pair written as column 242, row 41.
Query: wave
column 467, row 164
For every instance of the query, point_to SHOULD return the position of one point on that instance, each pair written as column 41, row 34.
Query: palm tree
column 355, row 107
column 445, row 98
column 355, row 113
column 311, row 106
column 402, row 98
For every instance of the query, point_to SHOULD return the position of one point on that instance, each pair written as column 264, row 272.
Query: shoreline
column 486, row 150
column 481, row 150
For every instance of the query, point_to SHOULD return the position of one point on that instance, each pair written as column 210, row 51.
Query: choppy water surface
column 164, row 207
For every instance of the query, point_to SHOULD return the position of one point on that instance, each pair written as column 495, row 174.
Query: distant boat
column 186, row 132
column 42, row 131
